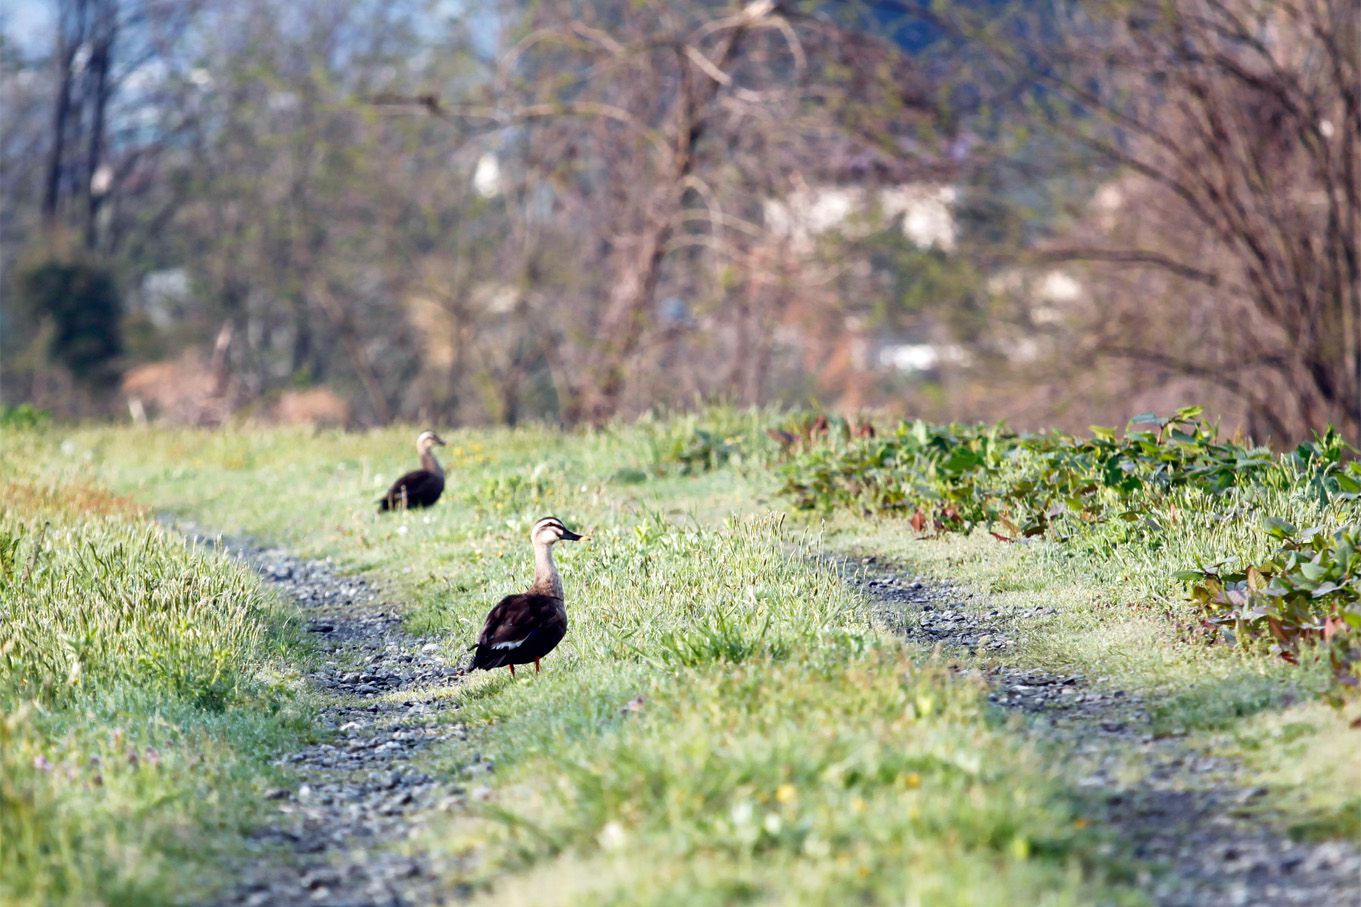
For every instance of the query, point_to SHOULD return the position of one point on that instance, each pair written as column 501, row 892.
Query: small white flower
column 613, row 836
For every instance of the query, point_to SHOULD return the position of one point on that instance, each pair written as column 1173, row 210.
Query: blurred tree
column 654, row 135
column 615, row 204
column 1224, row 243
column 111, row 62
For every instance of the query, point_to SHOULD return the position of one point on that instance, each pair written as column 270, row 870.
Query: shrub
column 23, row 416
column 82, row 303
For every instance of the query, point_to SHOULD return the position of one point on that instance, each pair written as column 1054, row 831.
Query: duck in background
column 420, row 487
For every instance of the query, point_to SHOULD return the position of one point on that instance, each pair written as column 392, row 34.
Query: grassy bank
column 143, row 686
column 723, row 721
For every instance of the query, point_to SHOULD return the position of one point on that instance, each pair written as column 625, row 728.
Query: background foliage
column 357, row 211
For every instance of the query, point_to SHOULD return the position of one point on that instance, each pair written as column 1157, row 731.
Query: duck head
column 426, row 440
column 550, row 530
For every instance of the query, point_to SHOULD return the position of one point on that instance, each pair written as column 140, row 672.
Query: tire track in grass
column 360, row 791
column 1182, row 815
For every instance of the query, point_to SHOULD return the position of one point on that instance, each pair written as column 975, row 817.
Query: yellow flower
column 912, row 780
column 786, row 793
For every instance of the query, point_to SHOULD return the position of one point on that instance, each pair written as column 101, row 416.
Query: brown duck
column 420, row 487
column 526, row 627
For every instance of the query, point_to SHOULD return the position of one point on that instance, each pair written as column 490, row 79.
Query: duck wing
column 418, row 488
column 517, row 628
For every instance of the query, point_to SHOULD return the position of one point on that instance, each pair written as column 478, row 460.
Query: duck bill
column 570, row 536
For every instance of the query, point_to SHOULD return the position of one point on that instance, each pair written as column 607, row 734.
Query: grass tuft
column 141, row 693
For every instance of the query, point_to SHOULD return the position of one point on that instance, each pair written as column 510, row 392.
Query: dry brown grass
column 67, row 498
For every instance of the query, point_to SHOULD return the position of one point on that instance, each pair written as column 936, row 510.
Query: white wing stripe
column 512, row 644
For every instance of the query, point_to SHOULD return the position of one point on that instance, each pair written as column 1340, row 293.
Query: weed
column 1308, row 590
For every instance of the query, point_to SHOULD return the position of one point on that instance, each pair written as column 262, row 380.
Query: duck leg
column 512, row 670
column 536, row 666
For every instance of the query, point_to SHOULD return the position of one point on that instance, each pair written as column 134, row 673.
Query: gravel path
column 1183, row 814
column 359, row 790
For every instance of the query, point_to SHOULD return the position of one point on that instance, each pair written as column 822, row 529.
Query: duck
column 527, row 626
column 420, row 487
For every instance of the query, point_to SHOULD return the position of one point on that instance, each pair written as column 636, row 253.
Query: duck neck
column 546, row 579
column 430, row 464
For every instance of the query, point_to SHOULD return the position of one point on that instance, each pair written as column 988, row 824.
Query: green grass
column 1122, row 624
column 1303, row 753
column 724, row 723
column 143, row 686
column 781, row 747
column 827, row 777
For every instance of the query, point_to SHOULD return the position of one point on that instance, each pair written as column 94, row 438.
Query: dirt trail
column 360, row 790
column 1184, row 815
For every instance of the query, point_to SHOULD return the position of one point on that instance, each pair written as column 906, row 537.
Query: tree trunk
column 101, row 61
column 69, row 42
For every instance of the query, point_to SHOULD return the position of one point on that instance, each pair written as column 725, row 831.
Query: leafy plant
column 1308, row 591
column 958, row 477
column 955, row 478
